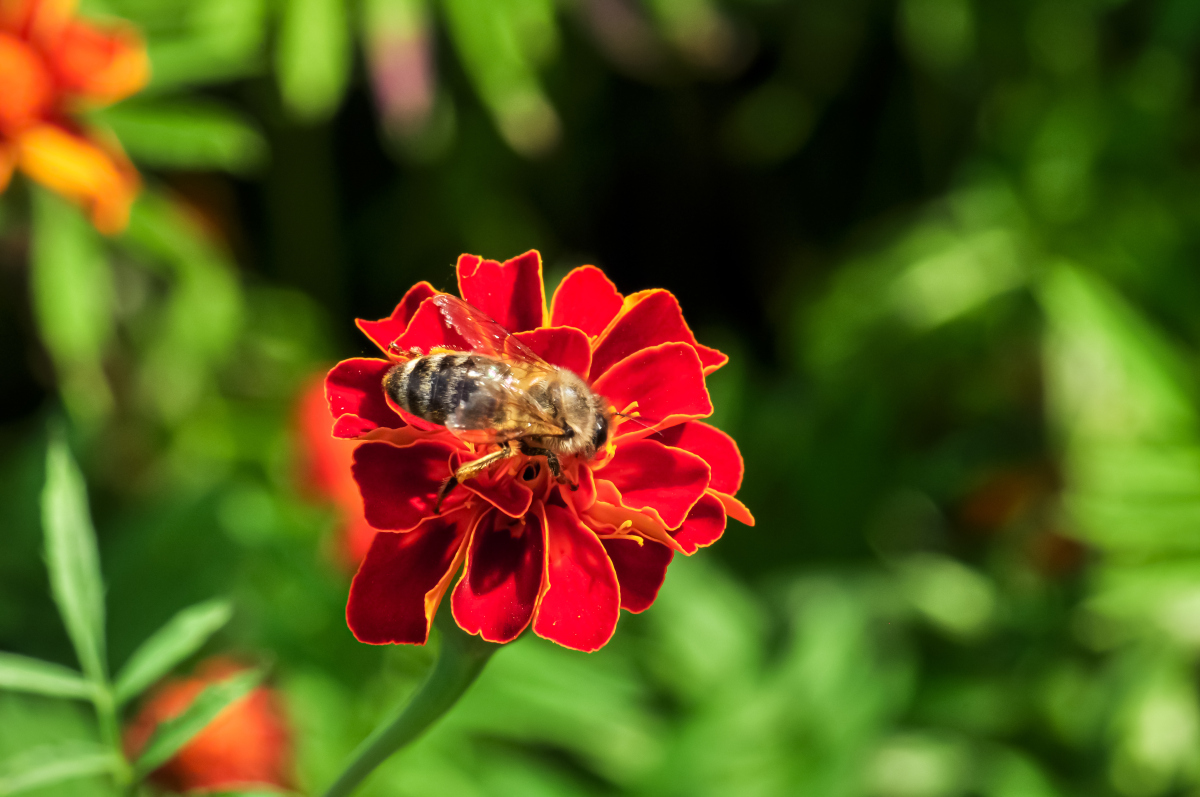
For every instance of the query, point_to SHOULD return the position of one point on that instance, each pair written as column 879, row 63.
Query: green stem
column 110, row 732
column 461, row 660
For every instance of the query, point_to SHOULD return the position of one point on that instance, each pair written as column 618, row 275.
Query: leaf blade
column 183, row 635
column 71, row 285
column 190, row 135
column 73, row 559
column 313, row 57
column 45, row 766
column 173, row 734
column 25, row 674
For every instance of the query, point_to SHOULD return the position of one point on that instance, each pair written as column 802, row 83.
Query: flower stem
column 460, row 661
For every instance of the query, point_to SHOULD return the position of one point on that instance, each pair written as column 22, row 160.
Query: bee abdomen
column 441, row 387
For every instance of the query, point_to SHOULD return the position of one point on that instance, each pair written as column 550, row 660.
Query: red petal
column 354, row 388
column 28, row 87
column 665, row 385
column 660, row 479
column 704, row 524
column 608, row 515
column 663, row 480
column 581, row 606
column 734, row 508
column 650, row 318
column 401, row 581
column 399, row 484
column 565, row 347
column 498, row 591
column 714, row 447
column 510, row 292
column 499, row 487
column 585, row 299
column 428, row 330
column 584, row 494
column 385, row 330
column 101, row 65
column 640, row 570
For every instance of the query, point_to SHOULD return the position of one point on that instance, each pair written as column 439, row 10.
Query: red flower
column 51, row 65
column 246, row 746
column 533, row 552
column 325, row 464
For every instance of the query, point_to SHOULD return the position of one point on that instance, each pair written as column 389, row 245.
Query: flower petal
column 580, row 608
column 36, row 20
column 704, row 524
column 101, row 66
column 354, row 390
column 28, row 87
column 712, row 445
column 98, row 177
column 402, row 579
column 734, row 508
column 498, row 591
column 565, row 347
column 427, row 329
column 640, row 570
column 648, row 319
column 497, row 487
column 664, row 383
column 665, row 481
column 511, row 292
column 385, row 330
column 587, row 300
column 399, row 484
column 584, row 494
column 608, row 515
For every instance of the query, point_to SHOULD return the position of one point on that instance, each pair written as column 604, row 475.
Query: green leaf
column 73, row 302
column 221, row 40
column 501, row 44
column 44, row 766
column 186, row 632
column 187, row 134
column 313, row 56
column 72, row 558
column 23, row 674
column 175, row 733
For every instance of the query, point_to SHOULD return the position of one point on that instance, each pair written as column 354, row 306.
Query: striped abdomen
column 464, row 391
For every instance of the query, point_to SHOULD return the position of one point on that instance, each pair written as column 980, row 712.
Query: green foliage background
column 950, row 246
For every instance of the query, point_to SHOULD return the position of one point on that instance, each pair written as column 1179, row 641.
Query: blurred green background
column 950, row 245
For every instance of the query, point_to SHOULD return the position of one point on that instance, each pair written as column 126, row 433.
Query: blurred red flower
column 246, row 746
column 534, row 553
column 52, row 65
column 325, row 463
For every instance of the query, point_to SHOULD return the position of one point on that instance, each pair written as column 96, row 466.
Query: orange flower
column 51, row 64
column 246, row 746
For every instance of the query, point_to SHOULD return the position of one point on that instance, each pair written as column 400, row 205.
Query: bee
column 500, row 392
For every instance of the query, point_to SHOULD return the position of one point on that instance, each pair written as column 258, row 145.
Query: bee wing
column 524, row 416
column 483, row 334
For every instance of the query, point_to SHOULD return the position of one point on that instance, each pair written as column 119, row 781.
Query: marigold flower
column 532, row 551
column 51, row 65
column 325, row 464
column 247, row 746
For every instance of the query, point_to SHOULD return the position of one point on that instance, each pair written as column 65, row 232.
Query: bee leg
column 551, row 461
column 471, row 470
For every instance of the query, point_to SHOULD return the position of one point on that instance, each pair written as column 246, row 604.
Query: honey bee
column 500, row 393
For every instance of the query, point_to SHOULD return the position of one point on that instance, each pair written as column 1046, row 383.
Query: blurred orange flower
column 52, row 65
column 325, row 473
column 247, row 745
